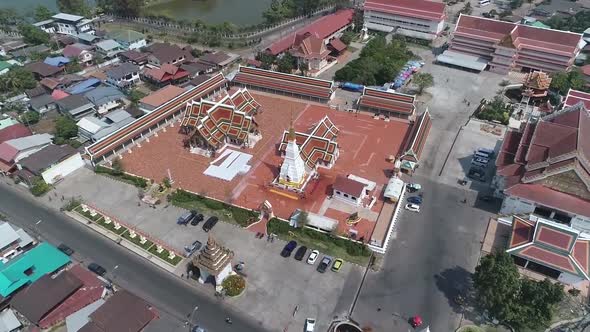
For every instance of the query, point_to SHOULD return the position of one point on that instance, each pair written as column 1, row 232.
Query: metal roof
column 75, row 321
column 68, row 17
column 28, row 142
column 462, row 60
column 108, row 45
column 7, row 235
column 46, row 157
column 103, row 95
column 8, row 321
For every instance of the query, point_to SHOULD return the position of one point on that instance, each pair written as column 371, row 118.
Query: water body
column 26, row 6
column 239, row 12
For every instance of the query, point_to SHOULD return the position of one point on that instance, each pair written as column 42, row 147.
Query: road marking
column 38, row 222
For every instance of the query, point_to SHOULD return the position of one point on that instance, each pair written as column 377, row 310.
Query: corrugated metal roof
column 7, row 235
column 462, row 60
column 28, row 142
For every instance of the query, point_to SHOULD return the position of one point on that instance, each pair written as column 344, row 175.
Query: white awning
column 462, row 60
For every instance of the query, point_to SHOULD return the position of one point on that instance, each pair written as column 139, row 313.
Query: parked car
column 413, row 187
column 194, row 247
column 185, row 218
column 65, row 249
column 288, row 249
column 300, row 253
column 309, row 324
column 208, row 225
column 97, row 269
column 197, row 219
column 415, row 199
column 324, row 264
column 412, row 207
column 313, row 256
column 337, row 265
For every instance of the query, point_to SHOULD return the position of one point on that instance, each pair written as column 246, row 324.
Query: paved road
column 430, row 258
column 165, row 291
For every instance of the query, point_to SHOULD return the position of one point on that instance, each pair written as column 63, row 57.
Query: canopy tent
column 462, row 60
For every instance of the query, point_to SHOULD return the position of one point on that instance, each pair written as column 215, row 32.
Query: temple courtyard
column 365, row 146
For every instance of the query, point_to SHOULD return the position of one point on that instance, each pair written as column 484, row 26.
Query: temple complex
column 225, row 120
column 214, row 260
column 536, row 84
column 293, row 172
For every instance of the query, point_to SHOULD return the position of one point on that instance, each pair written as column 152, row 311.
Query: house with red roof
column 543, row 168
column 421, row 19
column 166, row 74
column 509, row 47
column 313, row 44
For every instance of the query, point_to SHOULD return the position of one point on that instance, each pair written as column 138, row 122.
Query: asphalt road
column 429, row 261
column 163, row 290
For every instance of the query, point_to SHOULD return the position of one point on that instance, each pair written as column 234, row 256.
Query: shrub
column 39, row 187
column 134, row 180
column 242, row 216
column 234, row 285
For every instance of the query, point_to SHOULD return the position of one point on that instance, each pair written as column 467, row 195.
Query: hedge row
column 134, row 180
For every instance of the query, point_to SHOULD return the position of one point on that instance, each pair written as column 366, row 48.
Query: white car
column 413, row 207
column 313, row 256
column 309, row 324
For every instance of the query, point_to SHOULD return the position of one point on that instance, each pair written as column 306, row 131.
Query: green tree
column 302, row 218
column 42, row 13
column 73, row 66
column 75, row 7
column 423, row 81
column 17, row 80
column 117, row 166
column 65, row 128
column 286, row 63
column 467, row 9
column 30, row 118
column 33, row 35
column 127, row 7
column 134, row 96
column 523, row 304
column 347, row 37
column 39, row 186
column 563, row 81
column 266, row 59
column 9, row 18
column 578, row 23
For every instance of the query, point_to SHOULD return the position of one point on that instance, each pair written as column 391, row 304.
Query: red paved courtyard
column 365, row 144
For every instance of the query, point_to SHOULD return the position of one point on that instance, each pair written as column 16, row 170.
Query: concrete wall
column 422, row 27
column 63, row 169
column 340, row 196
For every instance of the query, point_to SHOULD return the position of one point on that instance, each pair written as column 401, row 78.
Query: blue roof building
column 57, row 61
column 29, row 267
column 83, row 86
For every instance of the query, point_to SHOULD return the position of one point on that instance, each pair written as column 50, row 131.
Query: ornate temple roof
column 214, row 258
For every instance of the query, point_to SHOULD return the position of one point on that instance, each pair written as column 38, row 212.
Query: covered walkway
column 462, row 60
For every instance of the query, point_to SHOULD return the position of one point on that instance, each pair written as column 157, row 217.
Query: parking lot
column 476, row 134
column 274, row 284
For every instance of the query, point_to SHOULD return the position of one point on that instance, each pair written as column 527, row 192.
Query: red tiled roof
column 348, row 186
column 7, row 153
column 254, row 62
column 550, row 198
column 585, row 70
column 422, row 9
column 574, row 96
column 337, row 44
column 508, row 149
column 166, row 73
column 387, row 101
column 15, row 131
column 162, row 95
column 59, row 94
column 417, row 139
column 114, row 140
column 122, row 312
column 321, row 28
column 300, row 85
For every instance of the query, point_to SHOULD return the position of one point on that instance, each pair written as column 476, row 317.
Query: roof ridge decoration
column 214, row 257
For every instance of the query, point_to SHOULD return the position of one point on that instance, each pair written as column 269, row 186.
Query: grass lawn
column 325, row 243
column 87, row 214
column 164, row 255
column 136, row 240
column 111, row 227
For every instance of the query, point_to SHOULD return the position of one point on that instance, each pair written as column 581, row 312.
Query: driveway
column 274, row 284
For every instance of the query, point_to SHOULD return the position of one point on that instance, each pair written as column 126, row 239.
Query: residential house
column 58, row 61
column 159, row 98
column 28, row 51
column 218, row 59
column 164, row 53
column 5, row 67
column 47, row 26
column 84, row 86
column 68, row 24
column 76, row 106
column 123, row 76
column 41, row 70
column 121, row 312
column 166, row 74
column 114, row 121
column 310, row 44
column 9, row 321
column 109, row 48
column 11, row 151
column 80, row 52
column 197, row 68
column 134, row 57
column 421, row 19
column 36, row 91
column 42, row 104
column 59, row 94
column 13, row 241
column 78, row 319
column 87, row 39
column 32, row 265
column 14, row 131
column 52, row 163
column 129, row 39
column 11, row 46
column 6, row 121
column 61, row 82
column 63, row 40
column 563, row 8
column 105, row 98
column 88, row 126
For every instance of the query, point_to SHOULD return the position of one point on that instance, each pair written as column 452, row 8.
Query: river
column 239, row 12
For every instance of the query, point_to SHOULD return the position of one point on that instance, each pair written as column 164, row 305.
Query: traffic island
column 234, row 285
column 138, row 240
column 165, row 255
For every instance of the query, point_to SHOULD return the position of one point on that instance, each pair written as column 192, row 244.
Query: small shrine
column 536, row 84
column 215, row 260
column 293, row 174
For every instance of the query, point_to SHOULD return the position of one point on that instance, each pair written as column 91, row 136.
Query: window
column 30, row 271
column 353, row 198
column 346, row 195
column 338, row 193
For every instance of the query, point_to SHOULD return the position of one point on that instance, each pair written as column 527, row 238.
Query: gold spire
column 291, row 136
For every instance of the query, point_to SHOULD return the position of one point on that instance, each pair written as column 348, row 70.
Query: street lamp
column 191, row 317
